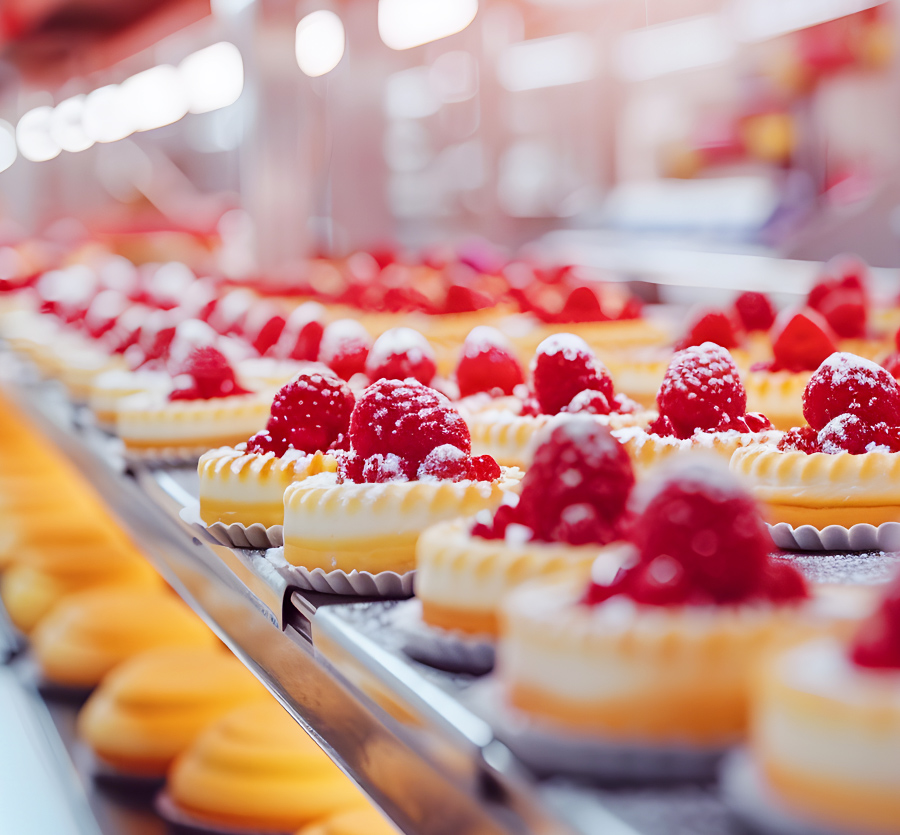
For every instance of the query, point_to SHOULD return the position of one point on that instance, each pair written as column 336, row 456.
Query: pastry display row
column 581, row 514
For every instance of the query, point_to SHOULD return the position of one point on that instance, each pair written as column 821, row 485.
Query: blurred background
column 611, row 132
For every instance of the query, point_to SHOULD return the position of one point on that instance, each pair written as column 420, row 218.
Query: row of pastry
column 167, row 701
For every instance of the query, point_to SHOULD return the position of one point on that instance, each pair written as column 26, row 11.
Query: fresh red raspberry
column 699, row 540
column 590, row 402
column 800, row 438
column 845, row 383
column 755, row 311
column 487, row 364
column 344, row 347
column 577, row 486
column 445, row 463
column 891, row 364
column 848, row 433
column 877, row 643
column 581, row 305
column 846, row 312
column 157, row 333
column 310, row 413
column 488, row 528
column 562, row 367
column 302, row 334
column 801, row 341
column 264, row 330
column 400, row 353
column 462, row 299
column 700, row 391
column 713, row 326
column 484, row 468
column 104, row 311
column 408, row 420
column 205, row 375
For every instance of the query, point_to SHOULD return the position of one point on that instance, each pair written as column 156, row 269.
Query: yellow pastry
column 256, row 769
column 152, row 706
column 89, row 633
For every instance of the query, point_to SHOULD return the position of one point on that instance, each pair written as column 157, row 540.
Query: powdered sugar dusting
column 398, row 341
column 567, row 344
column 482, row 338
column 340, row 335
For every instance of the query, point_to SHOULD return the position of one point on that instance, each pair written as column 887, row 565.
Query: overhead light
column 213, row 77
column 403, row 24
column 759, row 20
column 8, row 151
column 67, row 125
column 33, row 135
column 547, row 62
column 687, row 44
column 319, row 43
column 106, row 117
column 155, row 98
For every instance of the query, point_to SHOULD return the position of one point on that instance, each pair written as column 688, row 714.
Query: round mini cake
column 660, row 657
column 32, row 587
column 89, row 633
column 245, row 484
column 152, row 706
column 825, row 730
column 843, row 468
column 111, row 388
column 409, row 466
column 702, row 406
column 566, row 378
column 801, row 341
column 206, row 408
column 257, row 770
column 571, row 505
column 363, row 821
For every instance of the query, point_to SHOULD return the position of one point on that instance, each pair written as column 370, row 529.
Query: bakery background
column 681, row 151
column 604, row 129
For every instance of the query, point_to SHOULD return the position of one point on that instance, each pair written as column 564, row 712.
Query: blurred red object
column 51, row 40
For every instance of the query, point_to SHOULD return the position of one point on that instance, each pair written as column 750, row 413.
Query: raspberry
column 699, row 540
column 484, row 468
column 848, row 433
column 400, row 353
column 205, row 375
column 562, row 367
column 302, row 334
column 344, row 347
column 590, row 402
column 846, row 312
column 755, row 311
column 714, row 326
column 581, row 305
column 845, row 383
column 312, row 412
column 465, row 300
column 577, row 486
column 487, row 364
column 264, row 335
column 877, row 644
column 445, row 463
column 701, row 390
column 841, row 296
column 104, row 311
column 408, row 420
column 801, row 341
column 157, row 333
column 891, row 364
column 800, row 438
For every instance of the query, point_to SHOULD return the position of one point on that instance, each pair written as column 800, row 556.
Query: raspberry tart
column 801, row 341
column 571, row 505
column 843, row 467
column 825, row 730
column 702, row 406
column 409, row 466
column 566, row 378
column 207, row 407
column 658, row 658
column 245, row 484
